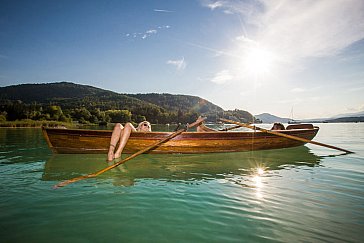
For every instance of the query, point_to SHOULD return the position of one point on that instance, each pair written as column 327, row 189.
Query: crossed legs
column 120, row 134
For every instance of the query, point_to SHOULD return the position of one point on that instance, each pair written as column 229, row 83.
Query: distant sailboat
column 292, row 121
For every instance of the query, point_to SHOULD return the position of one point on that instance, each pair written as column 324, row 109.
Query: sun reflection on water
column 258, row 181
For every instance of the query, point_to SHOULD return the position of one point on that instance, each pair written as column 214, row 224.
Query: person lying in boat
column 121, row 134
column 278, row 126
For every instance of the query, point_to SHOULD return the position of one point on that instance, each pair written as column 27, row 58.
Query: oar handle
column 285, row 135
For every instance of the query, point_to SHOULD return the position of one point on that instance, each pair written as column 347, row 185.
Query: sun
column 253, row 62
column 258, row 61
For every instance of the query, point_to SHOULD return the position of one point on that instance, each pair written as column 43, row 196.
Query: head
column 278, row 126
column 144, row 127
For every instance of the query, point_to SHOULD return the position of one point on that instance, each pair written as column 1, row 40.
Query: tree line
column 69, row 102
column 17, row 110
column 93, row 114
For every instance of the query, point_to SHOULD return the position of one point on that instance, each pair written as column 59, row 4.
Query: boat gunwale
column 94, row 132
column 84, row 135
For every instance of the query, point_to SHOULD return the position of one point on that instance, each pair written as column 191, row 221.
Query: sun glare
column 260, row 171
column 258, row 61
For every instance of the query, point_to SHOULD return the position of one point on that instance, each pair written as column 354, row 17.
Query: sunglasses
column 146, row 124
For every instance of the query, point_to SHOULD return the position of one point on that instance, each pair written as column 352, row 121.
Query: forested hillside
column 68, row 102
column 179, row 102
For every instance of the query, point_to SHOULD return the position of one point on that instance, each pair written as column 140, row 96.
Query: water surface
column 304, row 194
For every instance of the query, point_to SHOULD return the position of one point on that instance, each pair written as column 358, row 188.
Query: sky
column 291, row 58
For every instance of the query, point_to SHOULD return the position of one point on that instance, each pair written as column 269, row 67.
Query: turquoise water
column 303, row 194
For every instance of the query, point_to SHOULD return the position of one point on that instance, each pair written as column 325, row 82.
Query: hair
column 278, row 126
column 140, row 125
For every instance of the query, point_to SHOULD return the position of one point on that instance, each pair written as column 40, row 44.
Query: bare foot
column 110, row 156
column 117, row 155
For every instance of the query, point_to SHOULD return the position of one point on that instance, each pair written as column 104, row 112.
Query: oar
column 286, row 135
column 151, row 147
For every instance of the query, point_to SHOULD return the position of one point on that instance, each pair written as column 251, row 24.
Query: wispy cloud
column 151, row 32
column 313, row 28
column 304, row 29
column 179, row 64
column 163, row 10
column 297, row 90
column 214, row 4
column 147, row 33
column 222, row 77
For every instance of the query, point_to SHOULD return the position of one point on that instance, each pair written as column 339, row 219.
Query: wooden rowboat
column 81, row 141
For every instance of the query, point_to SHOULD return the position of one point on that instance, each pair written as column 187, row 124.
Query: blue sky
column 270, row 56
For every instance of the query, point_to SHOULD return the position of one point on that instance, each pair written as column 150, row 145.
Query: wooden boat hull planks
column 81, row 141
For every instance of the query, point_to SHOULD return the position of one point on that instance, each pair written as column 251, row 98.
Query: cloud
column 147, row 33
column 222, row 77
column 163, row 10
column 179, row 64
column 307, row 28
column 151, row 32
column 297, row 90
column 313, row 28
column 164, row 27
column 214, row 5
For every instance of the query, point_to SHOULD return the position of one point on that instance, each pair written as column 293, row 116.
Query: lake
column 303, row 194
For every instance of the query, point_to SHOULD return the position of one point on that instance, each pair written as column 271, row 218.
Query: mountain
column 356, row 114
column 57, row 93
column 70, row 94
column 350, row 117
column 269, row 118
column 178, row 102
column 50, row 91
column 346, row 119
column 87, row 104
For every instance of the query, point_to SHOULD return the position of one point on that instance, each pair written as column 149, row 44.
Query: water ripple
column 298, row 197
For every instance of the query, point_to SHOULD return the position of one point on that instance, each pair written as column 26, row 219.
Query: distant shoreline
column 34, row 124
column 336, row 120
column 57, row 124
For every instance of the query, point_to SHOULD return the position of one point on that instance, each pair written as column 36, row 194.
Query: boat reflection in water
column 180, row 167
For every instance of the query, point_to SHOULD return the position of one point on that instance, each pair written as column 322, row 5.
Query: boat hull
column 79, row 141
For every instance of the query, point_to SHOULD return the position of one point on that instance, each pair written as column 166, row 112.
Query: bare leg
column 203, row 128
column 124, row 136
column 116, row 134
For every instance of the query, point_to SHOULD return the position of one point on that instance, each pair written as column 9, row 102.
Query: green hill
column 65, row 101
column 50, row 91
column 185, row 103
column 68, row 95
